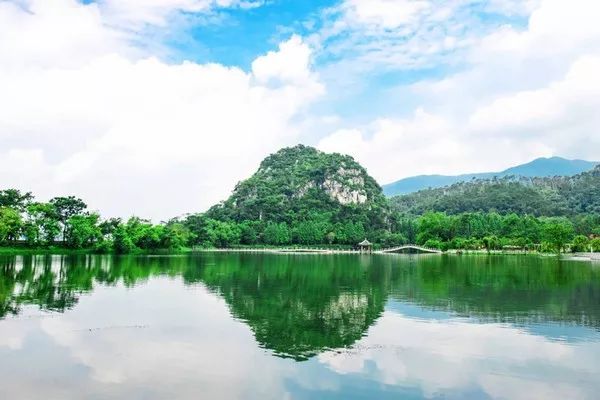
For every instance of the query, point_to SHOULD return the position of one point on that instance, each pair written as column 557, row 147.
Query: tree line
column 493, row 231
column 66, row 222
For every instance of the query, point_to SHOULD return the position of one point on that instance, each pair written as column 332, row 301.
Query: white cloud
column 289, row 65
column 133, row 134
column 558, row 106
column 367, row 35
column 512, row 7
column 425, row 143
column 124, row 347
column 158, row 12
column 498, row 360
column 386, row 14
column 526, row 93
column 54, row 33
column 84, row 110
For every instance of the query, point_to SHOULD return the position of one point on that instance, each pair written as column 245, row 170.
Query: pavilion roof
column 365, row 243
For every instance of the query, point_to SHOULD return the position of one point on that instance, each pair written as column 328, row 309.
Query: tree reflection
column 526, row 289
column 300, row 305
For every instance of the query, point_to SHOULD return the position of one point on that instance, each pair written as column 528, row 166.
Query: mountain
column 299, row 184
column 540, row 196
column 541, row 167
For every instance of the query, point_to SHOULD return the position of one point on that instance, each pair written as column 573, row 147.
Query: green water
column 251, row 326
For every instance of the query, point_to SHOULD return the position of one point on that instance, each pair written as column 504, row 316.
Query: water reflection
column 462, row 359
column 522, row 290
column 384, row 326
column 301, row 305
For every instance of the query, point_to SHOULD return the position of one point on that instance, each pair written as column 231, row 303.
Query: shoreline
column 563, row 256
column 588, row 257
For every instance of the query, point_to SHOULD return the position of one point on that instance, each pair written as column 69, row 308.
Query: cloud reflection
column 458, row 356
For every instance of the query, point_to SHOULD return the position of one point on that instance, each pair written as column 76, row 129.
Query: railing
column 410, row 247
column 323, row 250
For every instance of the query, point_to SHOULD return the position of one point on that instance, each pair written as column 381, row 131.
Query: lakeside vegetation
column 302, row 197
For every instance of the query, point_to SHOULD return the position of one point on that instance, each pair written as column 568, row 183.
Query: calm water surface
column 247, row 326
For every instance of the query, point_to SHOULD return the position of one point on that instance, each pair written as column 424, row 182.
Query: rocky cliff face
column 346, row 186
column 346, row 194
column 302, row 179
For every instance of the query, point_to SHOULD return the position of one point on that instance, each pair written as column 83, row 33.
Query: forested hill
column 307, row 190
column 301, row 196
column 550, row 196
column 538, row 168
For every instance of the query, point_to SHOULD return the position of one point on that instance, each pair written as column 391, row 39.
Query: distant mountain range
column 540, row 167
column 577, row 195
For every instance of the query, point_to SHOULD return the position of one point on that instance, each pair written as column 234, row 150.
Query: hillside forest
column 303, row 197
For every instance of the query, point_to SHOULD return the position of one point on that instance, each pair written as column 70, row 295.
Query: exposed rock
column 344, row 194
column 303, row 180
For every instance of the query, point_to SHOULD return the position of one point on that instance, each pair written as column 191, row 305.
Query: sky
column 157, row 108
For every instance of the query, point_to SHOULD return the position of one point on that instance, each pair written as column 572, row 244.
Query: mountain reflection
column 301, row 305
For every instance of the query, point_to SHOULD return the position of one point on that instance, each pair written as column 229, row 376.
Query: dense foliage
column 493, row 231
column 303, row 197
column 66, row 222
column 541, row 167
column 555, row 196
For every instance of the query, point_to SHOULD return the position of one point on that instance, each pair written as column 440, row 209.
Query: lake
column 258, row 326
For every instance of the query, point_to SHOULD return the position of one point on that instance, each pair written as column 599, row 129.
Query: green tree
column 557, row 232
column 434, row 244
column 580, row 244
column 109, row 226
column 42, row 224
column 491, row 243
column 197, row 224
column 436, row 226
column 531, row 230
column 389, row 239
column 222, row 234
column 122, row 242
column 407, row 227
column 175, row 236
column 67, row 207
column 595, row 244
column 31, row 232
column 250, row 232
column 10, row 224
column 84, row 231
column 13, row 198
column 330, row 237
column 277, row 234
column 349, row 232
column 143, row 234
column 309, row 232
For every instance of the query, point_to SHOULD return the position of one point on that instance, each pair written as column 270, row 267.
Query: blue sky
column 127, row 102
column 236, row 36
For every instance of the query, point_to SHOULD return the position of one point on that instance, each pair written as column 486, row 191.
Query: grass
column 21, row 250
column 42, row 250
